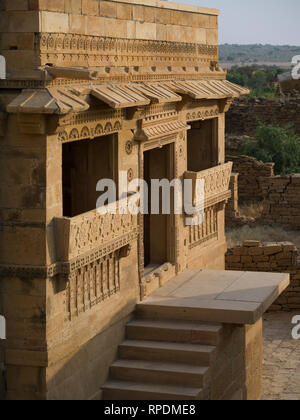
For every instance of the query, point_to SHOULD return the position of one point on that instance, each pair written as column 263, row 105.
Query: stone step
column 174, row 331
column 160, row 373
column 165, row 312
column 197, row 354
column 123, row 390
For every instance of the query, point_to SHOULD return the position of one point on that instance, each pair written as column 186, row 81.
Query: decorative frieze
column 82, row 234
column 216, row 182
column 94, row 51
column 202, row 113
column 90, row 124
column 89, row 131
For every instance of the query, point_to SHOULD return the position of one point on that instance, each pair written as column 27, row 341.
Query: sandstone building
column 94, row 88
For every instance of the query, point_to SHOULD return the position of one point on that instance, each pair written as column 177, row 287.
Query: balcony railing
column 92, row 231
column 216, row 183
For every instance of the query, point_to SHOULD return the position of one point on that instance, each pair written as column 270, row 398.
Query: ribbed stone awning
column 47, row 101
column 65, row 100
column 208, row 89
column 160, row 130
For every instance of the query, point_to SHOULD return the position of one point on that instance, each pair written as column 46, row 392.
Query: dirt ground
column 281, row 370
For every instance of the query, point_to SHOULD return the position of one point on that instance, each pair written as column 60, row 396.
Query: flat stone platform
column 233, row 297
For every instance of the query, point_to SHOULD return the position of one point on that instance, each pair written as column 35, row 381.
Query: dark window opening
column 84, row 164
column 202, row 145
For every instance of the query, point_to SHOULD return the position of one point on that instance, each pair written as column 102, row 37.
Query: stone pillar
column 232, row 208
column 23, row 259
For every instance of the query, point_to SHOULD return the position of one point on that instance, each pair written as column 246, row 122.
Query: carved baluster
column 80, row 291
column 117, row 273
column 92, row 284
column 98, row 281
column 111, row 280
column 68, row 299
column 85, row 276
column 105, row 279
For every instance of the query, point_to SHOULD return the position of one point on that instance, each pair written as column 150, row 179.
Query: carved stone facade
column 84, row 107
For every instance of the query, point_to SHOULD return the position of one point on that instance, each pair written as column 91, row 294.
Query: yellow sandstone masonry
column 94, row 88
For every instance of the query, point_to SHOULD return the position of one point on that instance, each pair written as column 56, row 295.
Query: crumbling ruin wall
column 245, row 114
column 251, row 173
column 282, row 200
column 280, row 257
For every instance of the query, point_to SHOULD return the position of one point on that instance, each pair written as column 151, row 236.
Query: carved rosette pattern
column 83, row 50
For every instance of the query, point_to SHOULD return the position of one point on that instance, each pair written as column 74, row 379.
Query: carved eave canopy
column 73, row 99
column 154, row 132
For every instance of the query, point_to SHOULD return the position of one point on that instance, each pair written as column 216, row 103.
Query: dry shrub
column 237, row 236
column 251, row 210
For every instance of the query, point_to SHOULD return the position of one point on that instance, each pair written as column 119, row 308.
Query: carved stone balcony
column 216, row 184
column 89, row 236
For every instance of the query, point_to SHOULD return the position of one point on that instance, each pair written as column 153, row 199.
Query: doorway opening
column 158, row 228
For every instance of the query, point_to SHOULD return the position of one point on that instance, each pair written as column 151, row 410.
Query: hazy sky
column 256, row 21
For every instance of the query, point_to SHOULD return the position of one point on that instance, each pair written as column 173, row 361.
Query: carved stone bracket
column 225, row 104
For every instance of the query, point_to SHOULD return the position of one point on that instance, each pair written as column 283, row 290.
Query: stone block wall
column 251, row 174
column 282, row 200
column 270, row 257
column 245, row 114
column 87, row 20
column 237, row 371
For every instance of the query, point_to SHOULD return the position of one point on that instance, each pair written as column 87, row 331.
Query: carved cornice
column 142, row 75
column 67, row 268
column 97, row 253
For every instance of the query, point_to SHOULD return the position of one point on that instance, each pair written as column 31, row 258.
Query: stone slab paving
column 281, row 370
column 233, row 297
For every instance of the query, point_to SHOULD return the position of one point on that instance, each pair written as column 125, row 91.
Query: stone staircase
column 163, row 359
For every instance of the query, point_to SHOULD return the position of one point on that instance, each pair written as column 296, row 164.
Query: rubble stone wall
column 280, row 257
column 245, row 114
column 251, row 174
column 282, row 200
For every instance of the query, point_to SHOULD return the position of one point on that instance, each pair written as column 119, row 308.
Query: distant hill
column 235, row 54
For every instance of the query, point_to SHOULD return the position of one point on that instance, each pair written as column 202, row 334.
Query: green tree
column 279, row 145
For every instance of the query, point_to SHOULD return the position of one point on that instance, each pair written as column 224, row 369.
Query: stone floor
column 281, row 358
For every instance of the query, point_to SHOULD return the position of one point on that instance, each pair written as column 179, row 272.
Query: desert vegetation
column 261, row 80
column 279, row 145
